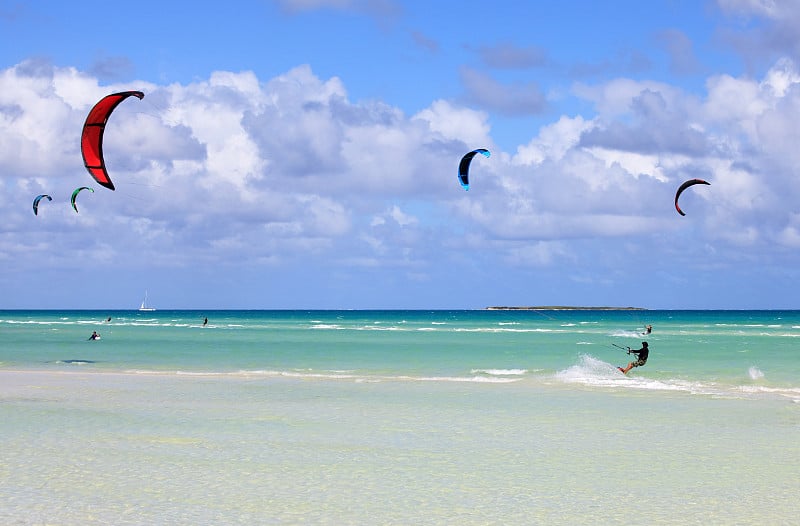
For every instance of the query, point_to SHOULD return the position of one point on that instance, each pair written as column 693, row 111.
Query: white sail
column 143, row 307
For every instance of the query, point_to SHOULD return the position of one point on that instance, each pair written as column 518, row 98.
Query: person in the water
column 641, row 358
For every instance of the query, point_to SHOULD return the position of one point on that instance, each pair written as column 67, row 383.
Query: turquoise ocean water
column 399, row 417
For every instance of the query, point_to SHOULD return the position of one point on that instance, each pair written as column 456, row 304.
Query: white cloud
column 553, row 141
column 614, row 98
column 455, row 123
column 401, row 218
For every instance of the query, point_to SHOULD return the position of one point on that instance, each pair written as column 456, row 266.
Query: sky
column 303, row 154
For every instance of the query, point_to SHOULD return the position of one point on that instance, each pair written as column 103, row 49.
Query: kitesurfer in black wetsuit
column 641, row 358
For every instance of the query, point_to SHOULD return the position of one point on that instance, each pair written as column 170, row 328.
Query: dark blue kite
column 463, row 166
column 36, row 202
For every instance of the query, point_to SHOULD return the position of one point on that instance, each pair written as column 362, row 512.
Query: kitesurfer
column 94, row 336
column 205, row 322
column 648, row 329
column 641, row 358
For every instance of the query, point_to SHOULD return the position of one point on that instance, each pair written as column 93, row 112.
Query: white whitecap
column 755, row 373
column 500, row 372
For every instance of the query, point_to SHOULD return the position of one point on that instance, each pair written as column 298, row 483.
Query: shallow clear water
column 463, row 417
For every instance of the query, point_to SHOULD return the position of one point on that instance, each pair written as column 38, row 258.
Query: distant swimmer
column 94, row 336
column 641, row 358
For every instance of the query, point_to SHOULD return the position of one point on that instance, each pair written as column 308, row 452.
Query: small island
column 563, row 307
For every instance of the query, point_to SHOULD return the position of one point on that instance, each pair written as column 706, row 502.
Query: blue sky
column 303, row 154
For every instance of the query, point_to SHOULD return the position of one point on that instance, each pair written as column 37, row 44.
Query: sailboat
column 143, row 307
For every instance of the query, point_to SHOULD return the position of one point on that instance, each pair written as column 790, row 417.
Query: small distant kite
column 75, row 195
column 36, row 203
column 463, row 166
column 92, row 136
column 684, row 186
